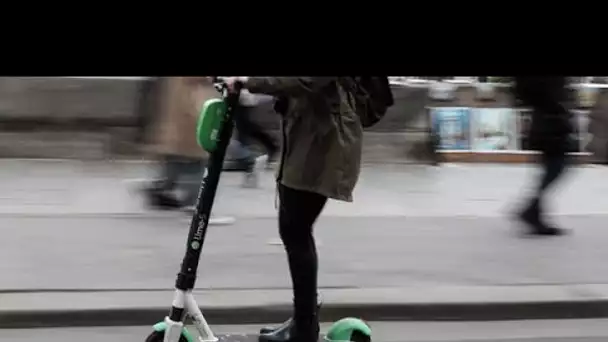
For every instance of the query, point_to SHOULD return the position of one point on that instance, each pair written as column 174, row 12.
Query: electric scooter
column 213, row 132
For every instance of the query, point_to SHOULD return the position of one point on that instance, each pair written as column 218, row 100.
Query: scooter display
column 213, row 132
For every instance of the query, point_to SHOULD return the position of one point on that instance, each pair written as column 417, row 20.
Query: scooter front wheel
column 159, row 336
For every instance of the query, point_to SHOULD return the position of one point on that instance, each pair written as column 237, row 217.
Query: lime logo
column 195, row 245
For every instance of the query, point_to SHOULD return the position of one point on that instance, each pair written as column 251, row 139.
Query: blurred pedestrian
column 182, row 159
column 147, row 106
column 247, row 132
column 549, row 133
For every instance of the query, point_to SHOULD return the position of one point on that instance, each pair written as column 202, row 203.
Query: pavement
column 574, row 330
column 418, row 243
column 71, row 187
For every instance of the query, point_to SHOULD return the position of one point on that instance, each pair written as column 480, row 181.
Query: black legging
column 551, row 135
column 298, row 212
column 554, row 165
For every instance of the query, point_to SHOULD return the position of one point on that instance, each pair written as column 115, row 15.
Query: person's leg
column 159, row 192
column 250, row 130
column 298, row 211
column 191, row 173
column 241, row 152
column 248, row 159
column 242, row 137
column 553, row 164
column 262, row 135
column 170, row 171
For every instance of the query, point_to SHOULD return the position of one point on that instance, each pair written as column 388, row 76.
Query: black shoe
column 268, row 330
column 162, row 200
column 303, row 328
column 291, row 332
column 282, row 332
column 536, row 225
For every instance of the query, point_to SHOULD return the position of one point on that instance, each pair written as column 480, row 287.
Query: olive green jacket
column 322, row 135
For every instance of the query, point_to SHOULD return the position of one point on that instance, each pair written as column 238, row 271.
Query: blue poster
column 451, row 124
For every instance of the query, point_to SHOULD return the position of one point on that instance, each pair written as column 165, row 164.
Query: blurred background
column 429, row 236
column 97, row 118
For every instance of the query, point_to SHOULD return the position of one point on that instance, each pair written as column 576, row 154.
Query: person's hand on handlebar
column 230, row 81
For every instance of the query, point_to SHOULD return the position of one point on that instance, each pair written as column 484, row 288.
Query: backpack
column 372, row 95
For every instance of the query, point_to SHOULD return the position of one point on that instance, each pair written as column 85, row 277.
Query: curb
column 273, row 314
column 264, row 306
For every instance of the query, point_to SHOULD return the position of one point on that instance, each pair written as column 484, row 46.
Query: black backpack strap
column 380, row 88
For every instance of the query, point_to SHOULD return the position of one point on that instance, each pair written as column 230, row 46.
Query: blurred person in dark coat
column 549, row 133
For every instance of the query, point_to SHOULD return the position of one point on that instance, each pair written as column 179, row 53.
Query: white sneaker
column 222, row 220
column 252, row 178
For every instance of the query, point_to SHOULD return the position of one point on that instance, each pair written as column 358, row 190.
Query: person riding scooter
column 320, row 159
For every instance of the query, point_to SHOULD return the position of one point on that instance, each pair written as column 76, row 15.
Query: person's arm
column 286, row 86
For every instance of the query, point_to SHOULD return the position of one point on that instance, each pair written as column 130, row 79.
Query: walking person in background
column 248, row 131
column 182, row 159
column 550, row 134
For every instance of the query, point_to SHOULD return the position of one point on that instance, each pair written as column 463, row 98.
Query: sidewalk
column 418, row 243
column 75, row 187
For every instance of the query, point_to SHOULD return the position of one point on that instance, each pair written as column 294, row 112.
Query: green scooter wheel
column 349, row 329
column 159, row 336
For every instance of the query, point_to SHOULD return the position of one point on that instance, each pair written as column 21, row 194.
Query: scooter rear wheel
column 158, row 336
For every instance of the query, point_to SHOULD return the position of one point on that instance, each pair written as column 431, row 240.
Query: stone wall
column 61, row 117
column 69, row 100
column 45, row 117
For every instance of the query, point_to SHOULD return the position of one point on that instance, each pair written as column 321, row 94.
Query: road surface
column 512, row 331
column 97, row 253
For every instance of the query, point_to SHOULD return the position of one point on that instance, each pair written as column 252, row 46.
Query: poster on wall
column 451, row 124
column 494, row 129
